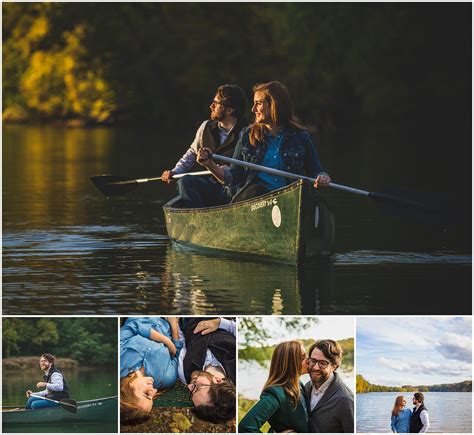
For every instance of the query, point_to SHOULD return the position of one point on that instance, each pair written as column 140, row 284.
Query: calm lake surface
column 84, row 384
column 69, row 250
column 449, row 412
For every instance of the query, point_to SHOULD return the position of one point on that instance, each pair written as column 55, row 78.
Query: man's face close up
column 200, row 387
column 44, row 364
column 320, row 368
column 218, row 110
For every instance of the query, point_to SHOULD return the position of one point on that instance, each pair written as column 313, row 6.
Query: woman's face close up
column 261, row 108
column 144, row 392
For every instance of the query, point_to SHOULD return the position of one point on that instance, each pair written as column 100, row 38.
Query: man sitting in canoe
column 218, row 134
column 55, row 385
column 276, row 140
column 207, row 365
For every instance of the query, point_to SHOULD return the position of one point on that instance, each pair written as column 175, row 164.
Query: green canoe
column 88, row 411
column 292, row 225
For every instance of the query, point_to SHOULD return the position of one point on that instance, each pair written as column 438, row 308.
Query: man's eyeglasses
column 320, row 362
column 195, row 388
column 216, row 103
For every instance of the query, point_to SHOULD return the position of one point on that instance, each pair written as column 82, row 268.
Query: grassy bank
column 31, row 362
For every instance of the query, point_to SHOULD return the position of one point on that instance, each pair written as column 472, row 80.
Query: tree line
column 91, row 341
column 159, row 62
column 263, row 355
column 363, row 386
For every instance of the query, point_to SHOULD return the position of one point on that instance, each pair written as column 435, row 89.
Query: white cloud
column 455, row 347
column 429, row 368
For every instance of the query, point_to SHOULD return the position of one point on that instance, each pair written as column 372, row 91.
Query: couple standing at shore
column 405, row 421
column 325, row 404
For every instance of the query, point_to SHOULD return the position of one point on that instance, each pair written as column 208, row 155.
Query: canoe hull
column 291, row 225
column 88, row 411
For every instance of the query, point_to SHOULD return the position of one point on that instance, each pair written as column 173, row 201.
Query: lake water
column 448, row 412
column 84, row 384
column 69, row 250
column 252, row 377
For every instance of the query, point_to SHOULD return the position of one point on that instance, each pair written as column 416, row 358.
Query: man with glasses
column 207, row 365
column 329, row 401
column 219, row 134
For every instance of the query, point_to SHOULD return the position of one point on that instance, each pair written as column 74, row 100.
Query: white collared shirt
column 317, row 393
column 56, row 384
column 425, row 420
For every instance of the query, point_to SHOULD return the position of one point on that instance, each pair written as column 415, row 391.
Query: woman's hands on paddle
column 41, row 385
column 207, row 326
column 167, row 176
column 29, row 393
column 322, row 180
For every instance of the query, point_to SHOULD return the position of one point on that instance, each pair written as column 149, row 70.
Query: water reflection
column 67, row 249
column 203, row 283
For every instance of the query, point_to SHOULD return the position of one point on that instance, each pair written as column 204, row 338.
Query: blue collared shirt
column 138, row 350
column 272, row 159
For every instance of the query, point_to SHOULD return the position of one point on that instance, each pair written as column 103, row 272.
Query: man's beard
column 319, row 379
column 217, row 116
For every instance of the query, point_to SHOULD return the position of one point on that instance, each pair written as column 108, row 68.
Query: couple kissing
column 323, row 404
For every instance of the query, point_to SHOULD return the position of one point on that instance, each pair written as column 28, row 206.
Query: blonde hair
column 397, row 406
column 130, row 414
column 285, row 369
column 281, row 109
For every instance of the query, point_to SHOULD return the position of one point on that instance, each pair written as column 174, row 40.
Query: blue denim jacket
column 297, row 152
column 138, row 350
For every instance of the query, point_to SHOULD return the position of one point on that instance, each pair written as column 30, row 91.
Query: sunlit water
column 448, row 412
column 67, row 249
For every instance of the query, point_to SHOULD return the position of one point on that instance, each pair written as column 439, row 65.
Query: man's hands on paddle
column 207, row 326
column 322, row 180
column 167, row 176
column 204, row 156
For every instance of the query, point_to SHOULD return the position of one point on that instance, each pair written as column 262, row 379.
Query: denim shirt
column 272, row 159
column 401, row 422
column 297, row 151
column 138, row 350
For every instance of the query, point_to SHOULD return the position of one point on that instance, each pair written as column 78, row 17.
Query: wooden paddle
column 111, row 185
column 68, row 404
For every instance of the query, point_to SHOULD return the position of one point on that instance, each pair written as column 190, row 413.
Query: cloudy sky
column 405, row 350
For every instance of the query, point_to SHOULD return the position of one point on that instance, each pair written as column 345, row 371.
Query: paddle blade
column 111, row 185
column 433, row 209
column 69, row 405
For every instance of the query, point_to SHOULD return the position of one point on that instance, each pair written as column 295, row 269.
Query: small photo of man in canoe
column 66, row 368
column 54, row 384
column 177, row 375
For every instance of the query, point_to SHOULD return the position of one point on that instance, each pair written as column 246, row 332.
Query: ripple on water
column 76, row 241
column 364, row 257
